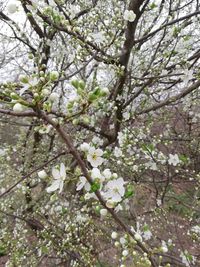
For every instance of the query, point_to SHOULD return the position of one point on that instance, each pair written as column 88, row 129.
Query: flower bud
column 54, row 75
column 103, row 212
column 114, row 235
column 18, row 107
column 42, row 174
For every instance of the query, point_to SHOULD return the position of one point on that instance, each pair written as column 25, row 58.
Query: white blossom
column 74, row 9
column 147, row 235
column 53, row 96
column 129, row 15
column 84, row 147
column 96, row 174
column 12, row 8
column 114, row 235
column 59, row 177
column 94, row 156
column 115, row 190
column 83, row 183
column 107, row 173
column 103, row 212
column 117, row 152
column 173, row 159
column 138, row 237
column 98, row 37
column 125, row 252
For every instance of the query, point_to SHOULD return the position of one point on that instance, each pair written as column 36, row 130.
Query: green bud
column 14, row 96
column 75, row 83
column 82, row 84
column 54, row 75
column 23, row 79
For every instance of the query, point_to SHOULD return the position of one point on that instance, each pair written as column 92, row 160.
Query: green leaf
column 183, row 158
column 129, row 191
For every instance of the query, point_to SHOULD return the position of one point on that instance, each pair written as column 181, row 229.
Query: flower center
column 94, row 156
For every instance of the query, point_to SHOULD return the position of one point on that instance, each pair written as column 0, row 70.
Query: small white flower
column 147, row 235
column 126, row 115
column 187, row 259
column 114, row 235
column 158, row 202
column 18, row 107
column 42, row 174
column 173, row 160
column 103, row 212
column 96, row 175
column 196, row 229
column 97, row 141
column 110, row 204
column 125, row 252
column 89, row 196
column 122, row 241
column 164, row 249
column 117, row 152
column 2, row 152
column 188, row 75
column 45, row 129
column 83, row 183
column 94, row 156
column 74, row 9
column 12, row 8
column 45, row 92
column 53, row 97
column 84, row 147
column 59, row 177
column 107, row 174
column 115, row 190
column 138, row 237
column 129, row 15
column 98, row 37
column 151, row 165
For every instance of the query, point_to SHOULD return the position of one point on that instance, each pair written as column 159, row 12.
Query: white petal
column 116, row 197
column 61, row 186
column 107, row 173
column 87, row 187
column 91, row 150
column 55, row 173
column 99, row 152
column 55, row 185
column 62, row 171
column 122, row 191
column 81, row 183
column 95, row 173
